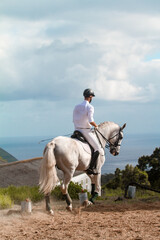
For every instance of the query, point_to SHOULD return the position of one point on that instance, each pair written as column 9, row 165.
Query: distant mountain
column 6, row 157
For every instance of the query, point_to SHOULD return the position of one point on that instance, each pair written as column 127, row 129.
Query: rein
column 108, row 143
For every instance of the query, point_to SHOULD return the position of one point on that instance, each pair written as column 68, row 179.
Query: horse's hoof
column 51, row 212
column 89, row 203
column 86, row 203
column 69, row 208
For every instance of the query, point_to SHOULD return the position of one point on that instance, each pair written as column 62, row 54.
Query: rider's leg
column 91, row 138
column 93, row 164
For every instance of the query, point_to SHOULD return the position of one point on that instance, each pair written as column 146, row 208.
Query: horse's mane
column 107, row 123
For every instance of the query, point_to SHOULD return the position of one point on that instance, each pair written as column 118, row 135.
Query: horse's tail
column 48, row 174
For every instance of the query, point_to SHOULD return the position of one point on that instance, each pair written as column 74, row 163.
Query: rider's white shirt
column 83, row 115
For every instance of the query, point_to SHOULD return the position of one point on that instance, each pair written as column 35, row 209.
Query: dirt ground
column 134, row 220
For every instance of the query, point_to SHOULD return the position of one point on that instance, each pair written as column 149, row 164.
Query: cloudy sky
column 51, row 50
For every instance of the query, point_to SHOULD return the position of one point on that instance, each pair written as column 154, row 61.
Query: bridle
column 108, row 143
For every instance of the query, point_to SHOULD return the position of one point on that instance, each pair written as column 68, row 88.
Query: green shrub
column 73, row 190
column 18, row 194
column 57, row 193
column 35, row 195
column 142, row 193
column 13, row 194
column 5, row 201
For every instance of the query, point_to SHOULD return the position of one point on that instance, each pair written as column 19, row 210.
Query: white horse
column 69, row 154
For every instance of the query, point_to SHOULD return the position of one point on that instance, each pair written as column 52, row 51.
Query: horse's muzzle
column 114, row 152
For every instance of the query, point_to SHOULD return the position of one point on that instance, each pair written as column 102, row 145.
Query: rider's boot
column 92, row 168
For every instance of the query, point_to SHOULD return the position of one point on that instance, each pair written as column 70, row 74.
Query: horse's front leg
column 94, row 194
column 95, row 187
column 48, row 206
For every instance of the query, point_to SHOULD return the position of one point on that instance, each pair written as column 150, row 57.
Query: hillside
column 20, row 173
column 23, row 173
column 6, row 157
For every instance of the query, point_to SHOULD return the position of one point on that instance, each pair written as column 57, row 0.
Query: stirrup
column 91, row 171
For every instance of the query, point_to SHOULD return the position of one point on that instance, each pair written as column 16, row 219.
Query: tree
column 129, row 175
column 116, row 181
column 151, row 164
column 105, row 178
column 143, row 163
column 133, row 174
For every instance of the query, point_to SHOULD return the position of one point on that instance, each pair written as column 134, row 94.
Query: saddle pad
column 85, row 146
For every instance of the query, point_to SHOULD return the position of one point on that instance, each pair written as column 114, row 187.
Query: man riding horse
column 83, row 121
column 69, row 155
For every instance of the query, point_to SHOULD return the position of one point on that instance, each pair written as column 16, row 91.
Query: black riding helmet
column 88, row 92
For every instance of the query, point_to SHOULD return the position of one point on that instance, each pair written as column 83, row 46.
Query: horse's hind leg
column 64, row 189
column 48, row 207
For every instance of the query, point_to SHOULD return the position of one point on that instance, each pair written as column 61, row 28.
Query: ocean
column 133, row 147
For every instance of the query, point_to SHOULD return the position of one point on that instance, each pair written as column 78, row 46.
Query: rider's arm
column 90, row 116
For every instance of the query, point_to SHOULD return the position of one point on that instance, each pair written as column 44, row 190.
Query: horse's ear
column 124, row 125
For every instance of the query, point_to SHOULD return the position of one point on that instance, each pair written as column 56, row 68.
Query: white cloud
column 51, row 56
column 50, row 51
column 118, row 90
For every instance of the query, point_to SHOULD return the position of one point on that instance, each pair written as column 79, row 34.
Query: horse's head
column 115, row 141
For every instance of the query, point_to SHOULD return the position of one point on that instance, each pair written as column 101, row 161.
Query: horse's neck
column 108, row 129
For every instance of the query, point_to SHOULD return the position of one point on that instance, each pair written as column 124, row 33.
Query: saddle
column 93, row 163
column 78, row 135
